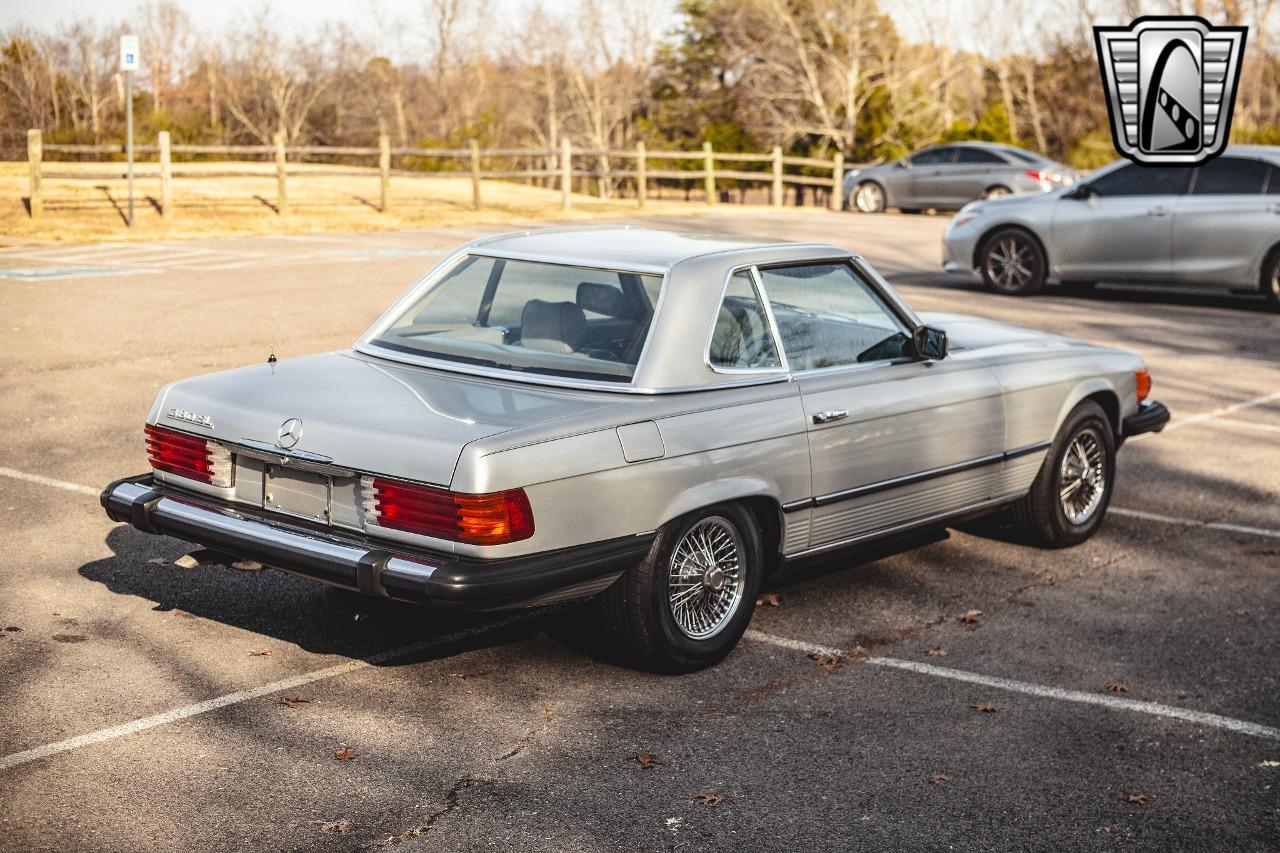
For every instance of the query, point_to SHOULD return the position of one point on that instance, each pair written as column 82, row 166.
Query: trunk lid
column 364, row 413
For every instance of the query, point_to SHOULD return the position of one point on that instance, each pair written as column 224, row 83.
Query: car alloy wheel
column 997, row 192
column 705, row 578
column 869, row 198
column 1271, row 281
column 1082, row 477
column 1012, row 263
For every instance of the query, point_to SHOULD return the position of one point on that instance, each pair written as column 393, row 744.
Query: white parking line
column 49, row 481
column 1179, row 423
column 26, row 756
column 1249, row 425
column 1194, row 522
column 1030, row 689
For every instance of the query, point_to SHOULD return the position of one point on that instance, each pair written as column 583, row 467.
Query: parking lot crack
column 452, row 802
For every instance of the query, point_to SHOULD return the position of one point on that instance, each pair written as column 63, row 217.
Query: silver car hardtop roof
column 630, row 248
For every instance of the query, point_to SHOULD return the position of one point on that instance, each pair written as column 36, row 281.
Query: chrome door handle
column 829, row 416
column 1158, row 211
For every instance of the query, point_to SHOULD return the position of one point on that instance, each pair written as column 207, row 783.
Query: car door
column 930, row 172
column 1225, row 222
column 892, row 440
column 1118, row 226
column 974, row 171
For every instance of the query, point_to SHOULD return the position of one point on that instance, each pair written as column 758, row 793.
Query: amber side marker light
column 491, row 519
column 1142, row 379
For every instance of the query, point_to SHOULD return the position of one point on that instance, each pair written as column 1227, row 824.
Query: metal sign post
column 128, row 65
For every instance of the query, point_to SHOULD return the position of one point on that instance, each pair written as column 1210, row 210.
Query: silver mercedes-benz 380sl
column 655, row 420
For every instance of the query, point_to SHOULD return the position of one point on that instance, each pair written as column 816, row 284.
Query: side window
column 977, row 155
column 1273, row 185
column 933, row 157
column 829, row 316
column 742, row 338
column 1143, row 180
column 1231, row 176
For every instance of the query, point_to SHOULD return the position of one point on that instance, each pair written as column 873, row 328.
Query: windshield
column 550, row 319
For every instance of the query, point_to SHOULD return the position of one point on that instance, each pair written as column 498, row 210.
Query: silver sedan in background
column 1216, row 225
column 949, row 176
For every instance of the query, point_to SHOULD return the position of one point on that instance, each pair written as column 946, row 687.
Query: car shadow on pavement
column 277, row 605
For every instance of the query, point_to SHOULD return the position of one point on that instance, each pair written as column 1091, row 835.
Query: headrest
column 602, row 299
column 552, row 326
column 726, row 340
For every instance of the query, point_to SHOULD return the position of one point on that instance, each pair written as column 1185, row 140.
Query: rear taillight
column 1142, row 381
column 189, row 456
column 492, row 519
column 1042, row 176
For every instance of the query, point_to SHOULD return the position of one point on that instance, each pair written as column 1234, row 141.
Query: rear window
column 550, row 319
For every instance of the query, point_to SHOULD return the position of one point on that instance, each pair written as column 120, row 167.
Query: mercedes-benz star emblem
column 290, row 432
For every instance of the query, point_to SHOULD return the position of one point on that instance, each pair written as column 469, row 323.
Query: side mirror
column 904, row 163
column 1081, row 192
column 930, row 344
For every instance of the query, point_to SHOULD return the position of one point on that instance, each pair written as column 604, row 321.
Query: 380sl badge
column 190, row 417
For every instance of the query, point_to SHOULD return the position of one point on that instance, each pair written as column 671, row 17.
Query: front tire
column 1070, row 495
column 997, row 192
column 1271, row 280
column 687, row 605
column 1013, row 263
column 869, row 197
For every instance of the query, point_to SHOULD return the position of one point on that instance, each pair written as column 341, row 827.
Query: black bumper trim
column 1150, row 417
column 354, row 562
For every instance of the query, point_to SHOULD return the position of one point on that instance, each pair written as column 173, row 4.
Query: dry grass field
column 86, row 210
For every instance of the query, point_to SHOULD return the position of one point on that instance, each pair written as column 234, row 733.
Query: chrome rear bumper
column 354, row 563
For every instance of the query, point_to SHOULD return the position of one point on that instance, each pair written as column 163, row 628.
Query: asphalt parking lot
column 1120, row 695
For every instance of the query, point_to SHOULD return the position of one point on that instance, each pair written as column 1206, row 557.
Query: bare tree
column 165, row 36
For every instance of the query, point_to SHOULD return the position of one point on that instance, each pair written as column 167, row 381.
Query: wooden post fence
column 709, row 165
column 282, row 191
column 642, row 178
column 837, row 183
column 475, row 174
column 776, row 195
column 166, row 177
column 35, row 153
column 384, row 172
column 566, row 173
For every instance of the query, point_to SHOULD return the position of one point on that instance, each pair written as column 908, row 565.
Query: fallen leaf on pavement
column 265, row 653
column 972, row 618
column 984, row 707
column 827, row 663
column 767, row 599
column 1108, row 829
column 186, row 561
column 294, row 701
column 646, row 760
column 707, row 799
column 13, row 628
column 939, row 778
column 1140, row 799
column 342, row 826
column 1117, row 687
column 938, row 652
column 246, row 566
column 157, row 561
column 1269, row 763
column 345, row 754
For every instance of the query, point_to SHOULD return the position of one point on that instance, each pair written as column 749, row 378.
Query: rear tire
column 1070, row 495
column 677, row 613
column 868, row 197
column 1271, row 280
column 1013, row 263
column 997, row 192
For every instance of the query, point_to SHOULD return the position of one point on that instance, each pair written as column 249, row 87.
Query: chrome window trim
column 782, row 371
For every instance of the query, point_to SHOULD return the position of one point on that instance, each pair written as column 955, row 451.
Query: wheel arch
column 889, row 199
column 752, row 493
column 1100, row 390
column 1267, row 257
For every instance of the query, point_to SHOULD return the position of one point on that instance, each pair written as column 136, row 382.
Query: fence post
column 776, row 196
column 475, row 174
column 642, row 177
column 566, row 173
column 837, row 183
column 166, row 177
column 709, row 175
column 282, row 192
column 35, row 152
column 384, row 172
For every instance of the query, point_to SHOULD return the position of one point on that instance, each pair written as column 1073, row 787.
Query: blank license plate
column 299, row 493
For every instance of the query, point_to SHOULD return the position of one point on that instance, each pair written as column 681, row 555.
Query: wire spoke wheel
column 705, row 577
column 1082, row 476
